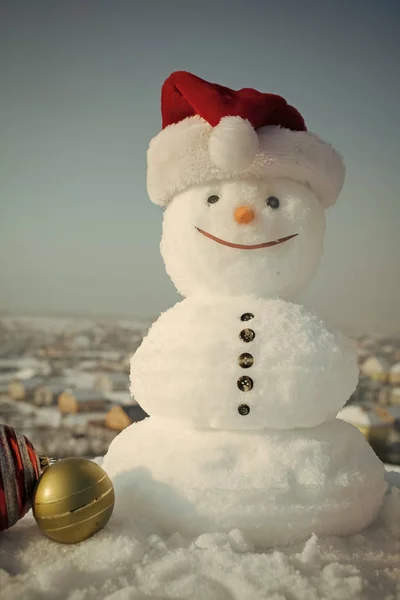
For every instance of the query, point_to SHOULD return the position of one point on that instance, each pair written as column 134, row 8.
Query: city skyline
column 81, row 87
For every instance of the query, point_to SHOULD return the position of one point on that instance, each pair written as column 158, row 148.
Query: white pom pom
column 233, row 144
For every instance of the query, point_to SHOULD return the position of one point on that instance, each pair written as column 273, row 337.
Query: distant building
column 374, row 423
column 112, row 382
column 24, row 389
column 48, row 393
column 80, row 401
column 57, row 350
column 89, row 366
column 389, row 396
column 81, row 340
column 126, row 362
column 394, row 374
column 385, row 395
column 8, row 367
column 80, row 379
column 4, row 388
column 367, row 391
column 99, row 355
column 97, row 431
column 395, row 396
column 22, row 368
column 120, row 417
column 376, row 368
column 121, row 398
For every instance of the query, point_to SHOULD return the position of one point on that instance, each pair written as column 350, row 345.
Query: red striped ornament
column 20, row 469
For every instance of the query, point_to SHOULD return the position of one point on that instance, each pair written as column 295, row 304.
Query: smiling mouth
column 244, row 246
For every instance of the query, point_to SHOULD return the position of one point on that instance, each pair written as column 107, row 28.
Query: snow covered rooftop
column 56, row 383
column 84, row 395
column 117, row 377
column 122, row 398
column 80, row 379
column 359, row 415
column 33, row 382
column 19, row 362
column 374, row 365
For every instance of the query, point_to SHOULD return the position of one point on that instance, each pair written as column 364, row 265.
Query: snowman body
column 276, row 486
column 242, row 385
column 243, row 362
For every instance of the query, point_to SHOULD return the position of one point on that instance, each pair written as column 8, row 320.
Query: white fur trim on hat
column 182, row 155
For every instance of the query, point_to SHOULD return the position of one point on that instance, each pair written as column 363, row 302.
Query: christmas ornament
column 20, row 469
column 73, row 500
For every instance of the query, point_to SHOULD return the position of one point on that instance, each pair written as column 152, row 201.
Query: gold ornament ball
column 73, row 500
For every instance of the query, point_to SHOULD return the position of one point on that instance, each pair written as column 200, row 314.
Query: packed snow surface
column 132, row 560
column 190, row 363
column 276, row 486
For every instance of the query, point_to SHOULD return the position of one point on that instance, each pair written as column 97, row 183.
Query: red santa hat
column 212, row 133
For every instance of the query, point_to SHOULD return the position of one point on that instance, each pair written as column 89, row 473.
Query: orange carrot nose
column 244, row 214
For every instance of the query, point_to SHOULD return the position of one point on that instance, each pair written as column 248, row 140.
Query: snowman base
column 276, row 486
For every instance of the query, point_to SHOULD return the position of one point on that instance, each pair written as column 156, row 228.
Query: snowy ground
column 129, row 560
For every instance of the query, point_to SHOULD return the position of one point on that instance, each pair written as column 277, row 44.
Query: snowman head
column 245, row 187
column 243, row 236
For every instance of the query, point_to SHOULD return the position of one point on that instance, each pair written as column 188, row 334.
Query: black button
column 245, row 360
column 247, row 335
column 247, row 317
column 243, row 410
column 273, row 202
column 245, row 384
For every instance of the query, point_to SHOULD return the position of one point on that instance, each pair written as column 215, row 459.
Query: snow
column 276, row 486
column 22, row 368
column 303, row 373
column 24, row 408
column 132, row 560
column 76, row 378
column 48, row 417
column 78, row 422
column 120, row 397
column 360, row 415
column 197, row 264
column 213, row 503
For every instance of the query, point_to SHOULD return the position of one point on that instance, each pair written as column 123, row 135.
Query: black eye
column 212, row 199
column 273, row 202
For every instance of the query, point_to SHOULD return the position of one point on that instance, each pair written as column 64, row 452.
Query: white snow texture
column 188, row 365
column 197, row 264
column 275, row 486
column 132, row 560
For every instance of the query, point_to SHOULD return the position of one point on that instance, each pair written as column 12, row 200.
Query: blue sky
column 81, row 99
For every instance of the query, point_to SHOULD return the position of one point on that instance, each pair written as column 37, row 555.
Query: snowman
column 242, row 384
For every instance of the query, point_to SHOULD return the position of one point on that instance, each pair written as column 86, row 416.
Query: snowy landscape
column 76, row 351
column 136, row 556
column 131, row 559
column 47, row 356
column 237, row 447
